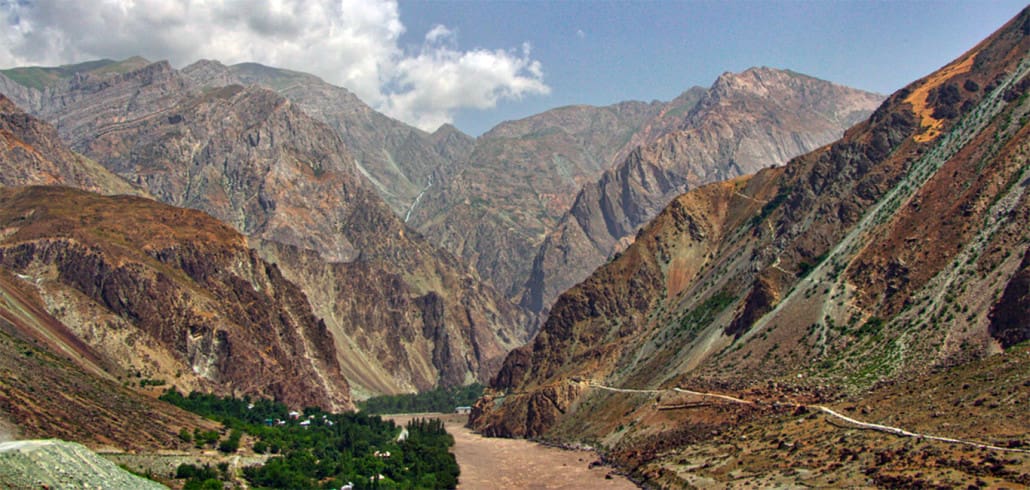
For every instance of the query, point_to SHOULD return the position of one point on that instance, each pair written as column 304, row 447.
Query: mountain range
column 743, row 123
column 404, row 314
column 527, row 183
column 300, row 167
column 694, row 305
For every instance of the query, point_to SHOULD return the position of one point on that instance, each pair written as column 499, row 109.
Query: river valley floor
column 491, row 463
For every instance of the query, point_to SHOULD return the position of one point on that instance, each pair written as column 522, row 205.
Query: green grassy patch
column 778, row 200
column 41, row 77
column 701, row 316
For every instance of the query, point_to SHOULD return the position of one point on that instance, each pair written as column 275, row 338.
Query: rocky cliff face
column 53, row 463
column 54, row 384
column 82, row 102
column 248, row 157
column 744, row 122
column 893, row 253
column 518, row 180
column 255, row 160
column 399, row 160
column 31, row 153
column 439, row 327
column 169, row 293
column 33, row 87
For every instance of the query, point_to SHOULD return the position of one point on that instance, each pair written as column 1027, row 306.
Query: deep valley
column 775, row 281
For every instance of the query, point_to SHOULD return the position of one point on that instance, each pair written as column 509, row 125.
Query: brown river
column 492, row 463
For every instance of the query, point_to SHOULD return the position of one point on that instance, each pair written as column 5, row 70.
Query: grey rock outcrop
column 52, row 463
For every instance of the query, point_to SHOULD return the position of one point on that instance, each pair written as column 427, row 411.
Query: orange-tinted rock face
column 204, row 312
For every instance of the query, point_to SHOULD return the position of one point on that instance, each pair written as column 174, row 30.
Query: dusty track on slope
column 828, row 411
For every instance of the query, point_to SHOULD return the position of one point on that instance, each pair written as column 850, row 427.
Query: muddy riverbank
column 490, row 463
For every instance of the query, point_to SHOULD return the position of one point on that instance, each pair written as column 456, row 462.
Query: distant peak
column 760, row 80
column 691, row 94
column 753, row 73
column 135, row 60
column 254, row 67
column 162, row 65
column 446, row 128
column 205, row 63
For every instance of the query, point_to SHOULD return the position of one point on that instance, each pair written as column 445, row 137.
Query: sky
column 477, row 63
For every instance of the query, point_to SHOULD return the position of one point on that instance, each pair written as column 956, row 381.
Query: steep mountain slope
column 54, row 385
column 893, row 254
column 59, row 464
column 519, row 179
column 249, row 158
column 169, row 293
column 54, row 382
column 33, row 87
column 744, row 122
column 83, row 101
column 401, row 161
column 792, row 447
column 31, row 153
column 403, row 314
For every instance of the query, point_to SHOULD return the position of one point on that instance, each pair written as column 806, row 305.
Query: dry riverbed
column 491, row 463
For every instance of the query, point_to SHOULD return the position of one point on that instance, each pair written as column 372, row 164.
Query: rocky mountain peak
column 444, row 130
column 744, row 122
column 211, row 73
column 145, row 74
column 772, row 89
column 754, row 81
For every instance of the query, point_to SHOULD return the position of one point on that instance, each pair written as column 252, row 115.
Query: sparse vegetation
column 872, row 326
column 771, row 206
column 701, row 316
column 143, row 383
column 805, row 267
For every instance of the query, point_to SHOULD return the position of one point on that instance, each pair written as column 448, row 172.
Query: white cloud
column 438, row 33
column 352, row 43
column 440, row 78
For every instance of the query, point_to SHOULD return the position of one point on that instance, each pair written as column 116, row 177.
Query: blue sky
column 603, row 52
column 477, row 63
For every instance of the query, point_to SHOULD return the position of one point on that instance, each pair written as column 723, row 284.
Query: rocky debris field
column 53, row 463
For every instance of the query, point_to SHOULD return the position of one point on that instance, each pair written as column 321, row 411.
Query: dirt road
column 492, row 463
